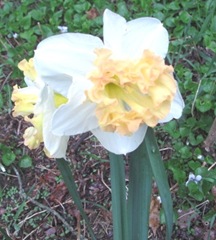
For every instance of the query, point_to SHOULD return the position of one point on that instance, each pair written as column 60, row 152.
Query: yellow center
column 130, row 93
column 59, row 99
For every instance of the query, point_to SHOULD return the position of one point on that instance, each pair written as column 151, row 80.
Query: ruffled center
column 130, row 93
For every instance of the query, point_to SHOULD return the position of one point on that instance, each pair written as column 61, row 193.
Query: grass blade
column 69, row 181
column 140, row 187
column 119, row 208
column 160, row 176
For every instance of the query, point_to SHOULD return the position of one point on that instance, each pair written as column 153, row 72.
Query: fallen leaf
column 59, row 192
column 185, row 217
column 50, row 231
column 2, row 211
column 154, row 218
column 92, row 13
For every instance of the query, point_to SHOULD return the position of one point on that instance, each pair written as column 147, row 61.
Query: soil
column 42, row 193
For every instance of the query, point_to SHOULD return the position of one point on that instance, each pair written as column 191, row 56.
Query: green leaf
column 119, row 208
column 203, row 105
column 160, row 176
column 140, row 187
column 8, row 158
column 195, row 191
column 69, row 181
column 194, row 165
column 25, row 162
column 38, row 14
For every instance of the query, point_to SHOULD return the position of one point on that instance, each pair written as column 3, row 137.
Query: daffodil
column 37, row 103
column 115, row 88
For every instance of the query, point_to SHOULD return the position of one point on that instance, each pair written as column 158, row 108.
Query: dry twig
column 50, row 210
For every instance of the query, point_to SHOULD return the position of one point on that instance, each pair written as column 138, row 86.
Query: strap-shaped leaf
column 140, row 187
column 119, row 208
column 160, row 177
column 69, row 181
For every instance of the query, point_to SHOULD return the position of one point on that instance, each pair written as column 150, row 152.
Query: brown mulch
column 43, row 185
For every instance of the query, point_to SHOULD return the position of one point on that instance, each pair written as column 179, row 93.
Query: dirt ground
column 42, row 207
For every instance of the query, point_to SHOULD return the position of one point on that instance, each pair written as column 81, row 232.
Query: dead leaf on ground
column 92, row 13
column 185, row 217
column 59, row 193
column 154, row 218
column 50, row 231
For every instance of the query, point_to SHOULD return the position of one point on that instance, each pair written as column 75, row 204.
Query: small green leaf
column 179, row 175
column 185, row 17
column 82, row 7
column 122, row 9
column 25, row 162
column 185, row 152
column 194, row 165
column 8, row 158
column 38, row 14
column 203, row 105
column 195, row 191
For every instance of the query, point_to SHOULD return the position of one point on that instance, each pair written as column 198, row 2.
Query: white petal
column 191, row 176
column 198, row 178
column 177, row 107
column 118, row 144
column 114, row 28
column 60, row 83
column 70, row 119
column 66, row 55
column 145, row 33
column 77, row 115
column 56, row 145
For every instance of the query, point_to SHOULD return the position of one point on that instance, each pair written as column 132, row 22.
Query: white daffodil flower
column 36, row 103
column 115, row 88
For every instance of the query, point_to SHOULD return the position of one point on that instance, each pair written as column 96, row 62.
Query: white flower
column 63, row 29
column 200, row 157
column 36, row 103
column 15, row 35
column 116, row 88
column 193, row 178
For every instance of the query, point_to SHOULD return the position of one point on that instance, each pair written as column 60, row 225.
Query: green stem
column 69, row 181
column 140, row 187
column 119, row 208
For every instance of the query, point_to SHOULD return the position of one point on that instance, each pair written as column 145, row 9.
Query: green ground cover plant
column 29, row 181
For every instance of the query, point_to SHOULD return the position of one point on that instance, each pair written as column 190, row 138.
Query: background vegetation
column 33, row 201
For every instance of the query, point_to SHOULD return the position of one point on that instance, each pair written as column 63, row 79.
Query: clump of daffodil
column 36, row 103
column 119, row 86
